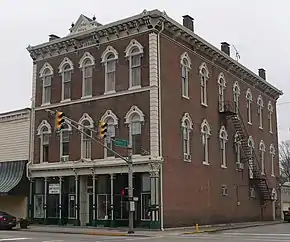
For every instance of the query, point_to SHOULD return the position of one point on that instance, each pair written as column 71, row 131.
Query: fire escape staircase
column 258, row 181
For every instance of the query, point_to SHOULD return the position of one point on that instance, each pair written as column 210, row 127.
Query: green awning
column 10, row 174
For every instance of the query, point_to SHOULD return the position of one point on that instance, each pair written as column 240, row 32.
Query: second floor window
column 262, row 150
column 44, row 132
column 86, row 142
column 251, row 146
column 135, row 127
column 223, row 140
column 205, row 134
column 111, row 129
column 64, row 142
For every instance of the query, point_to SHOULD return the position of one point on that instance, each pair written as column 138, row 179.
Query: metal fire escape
column 248, row 154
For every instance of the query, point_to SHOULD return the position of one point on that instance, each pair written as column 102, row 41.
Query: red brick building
column 202, row 126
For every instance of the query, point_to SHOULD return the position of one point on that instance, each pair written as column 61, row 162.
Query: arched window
column 249, row 98
column 134, row 53
column 205, row 135
column 272, row 155
column 187, row 127
column 221, row 87
column 262, row 149
column 86, row 143
column 134, row 118
column 238, row 146
column 204, row 75
column 64, row 142
column 109, row 59
column 236, row 95
column 185, row 67
column 46, row 74
column 44, row 132
column 270, row 116
column 112, row 122
column 251, row 146
column 65, row 69
column 260, row 111
column 223, row 135
column 87, row 63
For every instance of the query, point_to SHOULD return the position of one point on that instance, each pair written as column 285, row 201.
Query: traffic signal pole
column 129, row 161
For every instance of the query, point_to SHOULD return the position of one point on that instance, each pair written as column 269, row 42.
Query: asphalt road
column 271, row 233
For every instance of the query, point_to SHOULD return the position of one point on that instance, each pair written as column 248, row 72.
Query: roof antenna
column 237, row 54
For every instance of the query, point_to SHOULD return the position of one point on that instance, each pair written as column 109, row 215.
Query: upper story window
column 64, row 142
column 223, row 135
column 260, row 111
column 87, row 63
column 186, row 127
column 65, row 69
column 204, row 75
column 236, row 95
column 86, row 143
column 134, row 52
column 135, row 118
column 262, row 149
column 46, row 73
column 221, row 89
column 205, row 135
column 251, row 146
column 270, row 116
column 272, row 155
column 109, row 59
column 185, row 67
column 238, row 146
column 249, row 98
column 44, row 132
column 112, row 122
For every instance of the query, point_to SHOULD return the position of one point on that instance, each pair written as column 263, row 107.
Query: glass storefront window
column 120, row 208
column 145, row 205
column 103, row 203
column 71, row 206
column 38, row 206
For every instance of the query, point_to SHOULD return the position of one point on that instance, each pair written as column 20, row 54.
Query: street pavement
column 273, row 233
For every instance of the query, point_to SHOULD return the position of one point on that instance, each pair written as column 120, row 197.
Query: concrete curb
column 233, row 227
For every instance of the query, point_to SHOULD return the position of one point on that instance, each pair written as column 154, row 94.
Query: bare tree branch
column 284, row 160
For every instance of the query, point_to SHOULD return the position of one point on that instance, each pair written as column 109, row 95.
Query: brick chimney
column 225, row 47
column 262, row 73
column 53, row 37
column 188, row 22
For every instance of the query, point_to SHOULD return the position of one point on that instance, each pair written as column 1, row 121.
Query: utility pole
column 130, row 191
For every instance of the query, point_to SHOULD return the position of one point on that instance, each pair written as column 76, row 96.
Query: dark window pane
column 136, row 144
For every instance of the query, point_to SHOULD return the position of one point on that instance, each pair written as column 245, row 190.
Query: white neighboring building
column 14, row 155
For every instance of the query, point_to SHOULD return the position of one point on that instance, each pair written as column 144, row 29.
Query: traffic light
column 103, row 129
column 59, row 120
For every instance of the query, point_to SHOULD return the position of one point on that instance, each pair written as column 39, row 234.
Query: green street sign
column 121, row 143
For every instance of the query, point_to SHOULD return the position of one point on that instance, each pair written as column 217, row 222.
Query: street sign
column 121, row 143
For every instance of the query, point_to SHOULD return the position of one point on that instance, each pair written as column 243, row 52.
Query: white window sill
column 110, row 92
column 205, row 163
column 261, row 128
column 263, row 173
column 271, row 132
column 272, row 175
column 204, row 105
column 223, row 166
column 45, row 104
column 109, row 157
column 186, row 160
column 85, row 97
column 185, row 97
column 135, row 87
column 250, row 123
column 65, row 100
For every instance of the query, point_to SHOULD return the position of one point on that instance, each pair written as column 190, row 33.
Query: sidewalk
column 144, row 232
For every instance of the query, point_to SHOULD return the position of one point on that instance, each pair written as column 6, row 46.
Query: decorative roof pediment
column 83, row 24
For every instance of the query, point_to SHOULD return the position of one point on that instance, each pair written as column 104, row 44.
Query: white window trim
column 262, row 149
column 205, row 135
column 185, row 56
column 249, row 98
column 236, row 95
column 66, row 61
column 270, row 116
column 202, row 67
column 42, row 76
column 186, row 118
column 272, row 154
column 133, row 44
column 40, row 133
column 109, row 50
column 223, row 136
column 221, row 89
column 260, row 104
column 238, row 146
column 85, row 117
column 251, row 145
column 85, row 56
column 68, row 129
column 109, row 114
column 252, row 192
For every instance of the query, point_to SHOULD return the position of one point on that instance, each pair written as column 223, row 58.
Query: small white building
column 285, row 196
column 14, row 155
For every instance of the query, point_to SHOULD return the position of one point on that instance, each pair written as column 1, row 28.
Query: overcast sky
column 259, row 29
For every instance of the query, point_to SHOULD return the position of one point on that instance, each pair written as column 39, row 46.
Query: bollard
column 196, row 228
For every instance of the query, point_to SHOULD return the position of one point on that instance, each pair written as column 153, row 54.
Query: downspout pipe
column 160, row 127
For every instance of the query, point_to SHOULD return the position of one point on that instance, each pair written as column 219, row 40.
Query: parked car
column 7, row 221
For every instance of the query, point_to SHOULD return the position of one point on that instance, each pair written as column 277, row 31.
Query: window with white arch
column 262, row 150
column 186, row 127
column 134, row 119
column 251, row 146
column 205, row 135
column 238, row 148
column 46, row 74
column 65, row 69
column 204, row 75
column 64, row 142
column 87, row 63
column 249, row 98
column 236, row 95
column 185, row 63
column 112, row 121
column 87, row 123
column 260, row 104
column 272, row 155
column 223, row 136
column 44, row 132
column 270, row 116
column 222, row 88
column 109, row 59
column 134, row 53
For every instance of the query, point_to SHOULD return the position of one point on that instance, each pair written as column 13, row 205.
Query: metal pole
column 130, row 191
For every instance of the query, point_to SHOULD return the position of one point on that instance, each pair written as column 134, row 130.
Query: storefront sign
column 54, row 188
